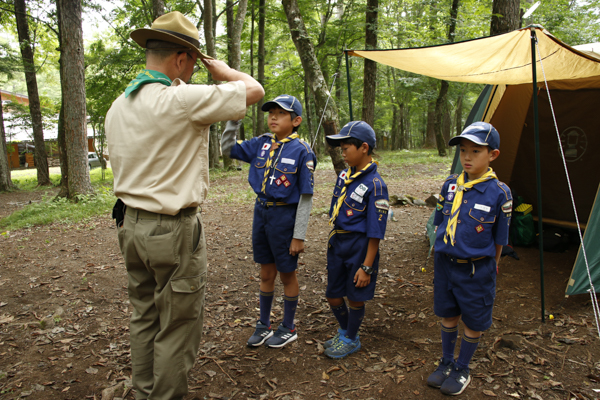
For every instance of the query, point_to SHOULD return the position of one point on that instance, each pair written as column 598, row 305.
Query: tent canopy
column 501, row 59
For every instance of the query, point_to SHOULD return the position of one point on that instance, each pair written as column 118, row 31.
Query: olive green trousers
column 165, row 257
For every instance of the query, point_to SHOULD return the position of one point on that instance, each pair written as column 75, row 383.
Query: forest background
column 293, row 46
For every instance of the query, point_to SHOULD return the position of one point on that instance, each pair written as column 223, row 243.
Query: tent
column 530, row 149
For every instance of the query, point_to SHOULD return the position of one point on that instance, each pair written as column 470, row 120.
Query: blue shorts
column 459, row 291
column 345, row 254
column 272, row 233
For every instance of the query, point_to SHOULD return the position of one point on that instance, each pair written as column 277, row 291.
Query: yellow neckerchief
column 349, row 179
column 270, row 159
column 460, row 187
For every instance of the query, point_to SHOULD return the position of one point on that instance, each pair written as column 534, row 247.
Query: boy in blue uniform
column 473, row 218
column 358, row 212
column 281, row 174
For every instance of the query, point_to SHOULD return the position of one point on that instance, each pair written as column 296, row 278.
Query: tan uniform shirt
column 158, row 142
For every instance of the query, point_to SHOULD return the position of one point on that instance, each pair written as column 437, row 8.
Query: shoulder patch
column 507, row 207
column 343, row 174
column 382, row 204
column 310, row 165
column 440, row 198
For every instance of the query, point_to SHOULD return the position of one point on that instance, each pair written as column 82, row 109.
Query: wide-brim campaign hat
column 481, row 133
column 354, row 129
column 172, row 27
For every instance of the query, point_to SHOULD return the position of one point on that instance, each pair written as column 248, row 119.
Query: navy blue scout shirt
column 365, row 208
column 483, row 220
column 289, row 178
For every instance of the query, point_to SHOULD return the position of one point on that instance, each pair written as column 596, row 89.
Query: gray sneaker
column 281, row 337
column 260, row 335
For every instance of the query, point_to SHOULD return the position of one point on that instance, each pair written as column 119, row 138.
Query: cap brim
column 456, row 140
column 266, row 106
column 142, row 35
column 335, row 140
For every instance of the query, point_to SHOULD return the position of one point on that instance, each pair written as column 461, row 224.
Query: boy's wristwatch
column 368, row 270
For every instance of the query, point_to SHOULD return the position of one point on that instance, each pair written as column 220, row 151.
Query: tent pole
column 538, row 170
column 348, row 83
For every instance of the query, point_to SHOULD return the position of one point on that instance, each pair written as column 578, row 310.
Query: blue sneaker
column 281, row 337
column 437, row 378
column 343, row 347
column 261, row 333
column 333, row 340
column 457, row 381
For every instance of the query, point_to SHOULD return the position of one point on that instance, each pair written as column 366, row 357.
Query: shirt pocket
column 478, row 225
column 354, row 205
column 285, row 180
column 447, row 208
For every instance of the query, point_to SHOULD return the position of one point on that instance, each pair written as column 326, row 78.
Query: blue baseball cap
column 354, row 129
column 285, row 101
column 481, row 133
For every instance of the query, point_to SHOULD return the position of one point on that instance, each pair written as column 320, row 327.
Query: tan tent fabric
column 501, row 59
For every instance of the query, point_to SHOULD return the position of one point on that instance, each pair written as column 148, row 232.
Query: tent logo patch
column 574, row 143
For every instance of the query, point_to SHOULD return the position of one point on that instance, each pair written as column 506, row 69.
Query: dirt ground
column 64, row 313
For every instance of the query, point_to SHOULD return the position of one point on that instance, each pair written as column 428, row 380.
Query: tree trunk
column 506, row 16
column 213, row 143
column 307, row 119
column 441, row 102
column 260, row 115
column 41, row 159
column 62, row 142
column 252, row 23
column 158, row 8
column 234, row 54
column 430, row 129
column 404, row 142
column 5, row 180
column 370, row 69
column 314, row 77
column 75, row 121
column 458, row 116
column 395, row 133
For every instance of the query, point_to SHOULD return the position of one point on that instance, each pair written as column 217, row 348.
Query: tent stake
column 348, row 83
column 538, row 170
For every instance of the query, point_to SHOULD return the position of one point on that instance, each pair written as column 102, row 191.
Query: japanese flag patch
column 452, row 188
column 266, row 146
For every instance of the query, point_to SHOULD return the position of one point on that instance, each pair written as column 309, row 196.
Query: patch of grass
column 50, row 209
column 29, row 183
column 411, row 157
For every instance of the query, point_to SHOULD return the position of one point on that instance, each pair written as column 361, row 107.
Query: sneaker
column 457, row 381
column 437, row 378
column 343, row 347
column 281, row 337
column 261, row 333
column 328, row 343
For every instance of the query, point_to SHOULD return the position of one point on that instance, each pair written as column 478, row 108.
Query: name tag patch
column 356, row 197
column 361, row 189
column 290, row 161
column 482, row 207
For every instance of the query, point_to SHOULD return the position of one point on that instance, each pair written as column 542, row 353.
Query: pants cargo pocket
column 188, row 297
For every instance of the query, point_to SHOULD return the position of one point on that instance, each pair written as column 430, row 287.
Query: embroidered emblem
column 361, row 190
column 479, row 228
column 286, row 183
column 452, row 187
column 439, row 207
column 262, row 153
column 283, row 178
column 450, row 196
column 382, row 204
column 349, row 213
column 278, row 182
column 343, row 175
column 507, row 207
column 440, row 198
column 266, row 146
column 310, row 165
